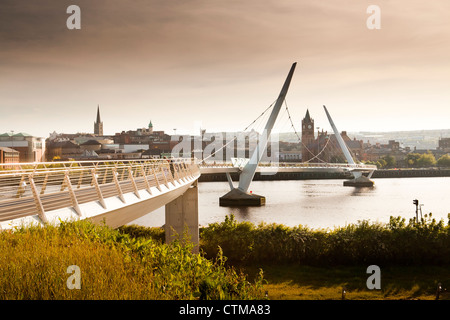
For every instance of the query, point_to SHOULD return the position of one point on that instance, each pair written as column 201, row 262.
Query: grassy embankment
column 302, row 263
column 298, row 263
column 113, row 265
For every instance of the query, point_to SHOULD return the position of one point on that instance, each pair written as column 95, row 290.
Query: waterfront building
column 8, row 155
column 375, row 152
column 324, row 146
column 30, row 148
column 289, row 156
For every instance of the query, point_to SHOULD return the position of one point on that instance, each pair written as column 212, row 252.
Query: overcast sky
column 220, row 63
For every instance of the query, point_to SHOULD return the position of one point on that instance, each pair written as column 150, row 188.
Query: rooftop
column 20, row 134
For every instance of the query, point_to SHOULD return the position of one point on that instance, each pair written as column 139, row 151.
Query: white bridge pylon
column 359, row 180
column 239, row 196
column 248, row 167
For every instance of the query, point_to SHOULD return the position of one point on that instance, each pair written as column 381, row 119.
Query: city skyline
column 218, row 65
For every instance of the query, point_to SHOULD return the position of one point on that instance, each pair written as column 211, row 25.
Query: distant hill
column 421, row 139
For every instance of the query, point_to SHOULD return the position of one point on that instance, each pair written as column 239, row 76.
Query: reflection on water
column 323, row 203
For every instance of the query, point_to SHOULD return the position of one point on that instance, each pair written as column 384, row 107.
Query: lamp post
column 416, row 203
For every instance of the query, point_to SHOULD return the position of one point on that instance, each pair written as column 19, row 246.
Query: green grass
column 113, row 265
column 293, row 282
column 132, row 262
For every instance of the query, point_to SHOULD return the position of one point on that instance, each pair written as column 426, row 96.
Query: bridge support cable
column 315, row 156
column 239, row 196
column 249, row 169
column 245, row 130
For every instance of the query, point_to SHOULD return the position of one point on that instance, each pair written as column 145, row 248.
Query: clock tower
column 307, row 136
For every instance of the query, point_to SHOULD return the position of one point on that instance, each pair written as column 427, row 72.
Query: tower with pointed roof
column 307, row 136
column 150, row 127
column 98, row 124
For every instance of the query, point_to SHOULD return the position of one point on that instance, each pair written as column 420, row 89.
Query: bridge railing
column 297, row 165
column 36, row 188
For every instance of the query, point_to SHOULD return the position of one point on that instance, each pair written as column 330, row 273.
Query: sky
column 217, row 64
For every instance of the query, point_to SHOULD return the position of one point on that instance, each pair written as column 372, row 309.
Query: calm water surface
column 323, row 203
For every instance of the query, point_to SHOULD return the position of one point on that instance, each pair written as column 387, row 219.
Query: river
column 323, row 203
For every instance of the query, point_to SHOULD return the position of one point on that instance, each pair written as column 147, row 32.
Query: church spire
column 98, row 125
column 98, row 114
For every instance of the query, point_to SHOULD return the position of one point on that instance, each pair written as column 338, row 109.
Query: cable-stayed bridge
column 118, row 192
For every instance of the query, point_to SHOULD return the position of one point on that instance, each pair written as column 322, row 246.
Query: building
column 289, row 156
column 444, row 144
column 324, row 147
column 30, row 148
column 62, row 150
column 91, row 145
column 141, row 136
column 307, row 137
column 135, row 141
column 379, row 151
column 8, row 155
column 98, row 124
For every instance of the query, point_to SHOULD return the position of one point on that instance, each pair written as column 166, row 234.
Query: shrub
column 423, row 242
column 113, row 264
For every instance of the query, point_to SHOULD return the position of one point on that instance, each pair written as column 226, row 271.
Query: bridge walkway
column 39, row 188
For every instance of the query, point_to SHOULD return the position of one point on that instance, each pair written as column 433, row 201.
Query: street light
column 416, row 203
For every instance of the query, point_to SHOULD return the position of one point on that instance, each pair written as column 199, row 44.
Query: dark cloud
column 149, row 55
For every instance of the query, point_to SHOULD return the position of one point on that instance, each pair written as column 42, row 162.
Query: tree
column 444, row 161
column 411, row 159
column 426, row 160
column 390, row 161
column 381, row 163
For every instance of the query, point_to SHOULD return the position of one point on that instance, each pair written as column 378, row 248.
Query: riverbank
column 382, row 173
column 82, row 261
column 396, row 243
column 316, row 264
column 253, row 261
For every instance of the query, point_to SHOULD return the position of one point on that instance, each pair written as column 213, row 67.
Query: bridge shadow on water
column 242, row 213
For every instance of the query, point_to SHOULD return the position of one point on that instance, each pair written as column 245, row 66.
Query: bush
column 398, row 243
column 113, row 264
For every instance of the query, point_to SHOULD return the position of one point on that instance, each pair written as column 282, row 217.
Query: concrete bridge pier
column 182, row 217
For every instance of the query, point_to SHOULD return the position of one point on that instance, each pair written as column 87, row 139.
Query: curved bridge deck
column 115, row 191
column 268, row 168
